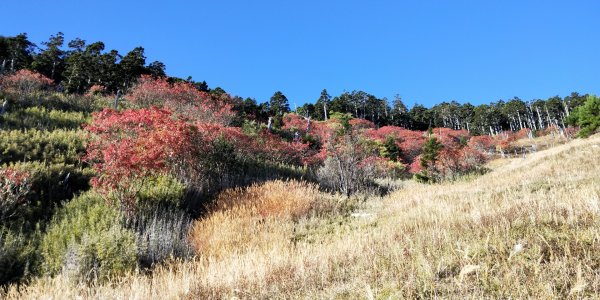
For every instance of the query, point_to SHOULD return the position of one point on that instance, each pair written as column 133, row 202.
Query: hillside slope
column 530, row 227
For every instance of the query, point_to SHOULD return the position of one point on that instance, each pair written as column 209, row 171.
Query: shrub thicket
column 57, row 146
column 160, row 191
column 25, row 85
column 18, row 255
column 87, row 240
column 51, row 184
column 42, row 119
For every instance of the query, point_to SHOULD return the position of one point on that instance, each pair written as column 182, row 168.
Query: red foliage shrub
column 183, row 99
column 410, row 142
column 504, row 141
column 449, row 137
column 96, row 89
column 483, row 143
column 358, row 124
column 456, row 161
column 294, row 122
column 24, row 83
column 272, row 147
column 415, row 167
column 521, row 134
column 384, row 132
column 133, row 144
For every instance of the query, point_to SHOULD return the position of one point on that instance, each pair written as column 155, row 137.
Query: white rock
column 518, row 248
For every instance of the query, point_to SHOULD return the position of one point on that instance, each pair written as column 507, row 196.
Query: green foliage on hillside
column 160, row 191
column 42, row 119
column 85, row 235
column 52, row 147
column 51, row 184
column 587, row 116
column 87, row 239
column 18, row 254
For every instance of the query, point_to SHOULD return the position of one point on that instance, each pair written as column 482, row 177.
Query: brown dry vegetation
column 528, row 228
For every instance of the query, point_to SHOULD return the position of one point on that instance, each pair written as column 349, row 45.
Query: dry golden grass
column 550, row 140
column 244, row 219
column 529, row 228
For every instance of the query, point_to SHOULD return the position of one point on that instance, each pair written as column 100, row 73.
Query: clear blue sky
column 426, row 51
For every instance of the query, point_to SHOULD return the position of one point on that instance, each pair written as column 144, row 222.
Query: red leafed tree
column 271, row 147
column 183, row 99
column 317, row 134
column 96, row 89
column 415, row 167
column 294, row 122
column 358, row 124
column 133, row 144
column 24, row 83
column 456, row 161
column 410, row 142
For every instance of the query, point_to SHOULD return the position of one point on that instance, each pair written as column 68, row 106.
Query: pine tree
column 429, row 156
column 391, row 149
column 587, row 116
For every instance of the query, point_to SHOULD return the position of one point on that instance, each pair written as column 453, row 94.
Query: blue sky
column 426, row 51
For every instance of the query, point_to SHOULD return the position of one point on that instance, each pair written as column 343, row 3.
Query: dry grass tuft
column 247, row 218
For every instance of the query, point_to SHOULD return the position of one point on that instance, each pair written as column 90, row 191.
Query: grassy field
column 528, row 228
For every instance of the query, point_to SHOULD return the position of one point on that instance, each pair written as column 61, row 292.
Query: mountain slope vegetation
column 528, row 228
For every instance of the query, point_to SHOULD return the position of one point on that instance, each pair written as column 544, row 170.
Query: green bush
column 87, row 240
column 58, row 146
column 160, row 191
column 18, row 255
column 71, row 102
column 587, row 116
column 42, row 119
column 50, row 186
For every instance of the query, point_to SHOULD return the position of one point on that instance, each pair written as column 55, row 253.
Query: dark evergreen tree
column 132, row 66
column 391, row 149
column 15, row 53
column 157, row 69
column 322, row 106
column 278, row 104
column 50, row 61
column 420, row 117
column 587, row 116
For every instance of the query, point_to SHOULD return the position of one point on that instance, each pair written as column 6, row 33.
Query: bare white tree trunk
column 270, row 124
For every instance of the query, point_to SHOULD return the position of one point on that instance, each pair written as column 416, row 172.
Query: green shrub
column 18, row 255
column 71, row 102
column 42, row 119
column 58, row 146
column 87, row 240
column 587, row 116
column 422, row 177
column 50, row 186
column 160, row 191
